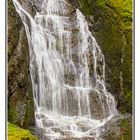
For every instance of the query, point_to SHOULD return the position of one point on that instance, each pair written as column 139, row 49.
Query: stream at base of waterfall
column 67, row 70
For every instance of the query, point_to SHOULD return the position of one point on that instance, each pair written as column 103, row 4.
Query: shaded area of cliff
column 20, row 99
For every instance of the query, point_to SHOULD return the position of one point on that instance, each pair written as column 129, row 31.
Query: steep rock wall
column 111, row 24
column 20, row 100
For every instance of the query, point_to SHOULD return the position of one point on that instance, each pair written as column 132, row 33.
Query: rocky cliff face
column 20, row 100
column 111, row 24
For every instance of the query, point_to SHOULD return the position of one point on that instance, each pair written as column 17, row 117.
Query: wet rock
column 47, row 123
column 84, row 138
column 99, row 108
column 38, row 132
column 57, row 130
column 20, row 100
column 118, row 128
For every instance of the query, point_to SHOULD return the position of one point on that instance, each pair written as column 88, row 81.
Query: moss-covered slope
column 16, row 133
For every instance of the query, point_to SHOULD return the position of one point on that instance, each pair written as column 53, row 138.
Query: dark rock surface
column 20, row 99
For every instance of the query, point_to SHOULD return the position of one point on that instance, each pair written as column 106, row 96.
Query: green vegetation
column 126, row 130
column 111, row 24
column 16, row 133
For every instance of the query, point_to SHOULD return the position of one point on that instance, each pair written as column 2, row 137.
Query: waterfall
column 67, row 70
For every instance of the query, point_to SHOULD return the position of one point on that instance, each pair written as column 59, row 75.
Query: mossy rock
column 110, row 21
column 126, row 130
column 20, row 98
column 17, row 133
column 118, row 128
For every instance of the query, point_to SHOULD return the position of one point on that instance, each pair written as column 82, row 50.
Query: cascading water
column 67, row 70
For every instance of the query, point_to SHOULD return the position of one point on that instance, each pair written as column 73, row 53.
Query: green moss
column 101, row 3
column 17, row 133
column 12, row 114
column 29, row 114
column 126, row 130
column 86, row 6
column 124, row 7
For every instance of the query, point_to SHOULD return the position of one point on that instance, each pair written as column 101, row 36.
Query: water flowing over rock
column 67, row 70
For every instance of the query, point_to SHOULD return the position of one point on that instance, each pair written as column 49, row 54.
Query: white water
column 67, row 70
